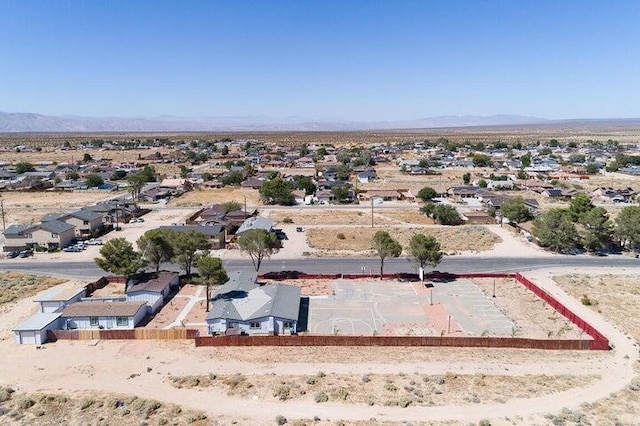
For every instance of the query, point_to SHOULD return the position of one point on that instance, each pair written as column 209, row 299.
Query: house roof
column 153, row 282
column 88, row 215
column 59, row 294
column 38, row 321
column 242, row 299
column 102, row 309
column 17, row 229
column 56, row 226
column 256, row 222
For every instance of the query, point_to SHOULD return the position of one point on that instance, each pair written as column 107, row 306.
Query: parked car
column 12, row 254
column 299, row 229
column 94, row 242
column 72, row 249
column 25, row 253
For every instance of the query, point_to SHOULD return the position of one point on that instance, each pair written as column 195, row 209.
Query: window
column 122, row 321
column 233, row 324
column 287, row 324
column 255, row 325
column 93, row 321
column 54, row 235
column 85, row 222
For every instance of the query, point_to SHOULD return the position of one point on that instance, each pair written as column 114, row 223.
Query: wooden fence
column 135, row 334
column 410, row 341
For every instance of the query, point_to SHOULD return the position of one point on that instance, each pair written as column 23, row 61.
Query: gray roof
column 257, row 222
column 52, row 216
column 17, row 229
column 38, row 321
column 244, row 300
column 155, row 282
column 102, row 309
column 239, row 281
column 56, row 226
column 57, row 294
column 88, row 215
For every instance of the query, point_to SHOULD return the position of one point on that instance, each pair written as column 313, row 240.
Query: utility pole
column 245, row 206
column 372, row 212
column 4, row 226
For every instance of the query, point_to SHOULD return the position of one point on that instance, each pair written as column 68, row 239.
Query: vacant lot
column 27, row 207
column 452, row 239
column 15, row 286
column 205, row 197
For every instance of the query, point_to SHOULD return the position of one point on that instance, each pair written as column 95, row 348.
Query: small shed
column 34, row 330
column 56, row 298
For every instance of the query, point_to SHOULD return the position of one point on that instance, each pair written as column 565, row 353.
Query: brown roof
column 156, row 281
column 102, row 309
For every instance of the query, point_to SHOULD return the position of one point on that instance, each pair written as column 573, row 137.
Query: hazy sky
column 358, row 60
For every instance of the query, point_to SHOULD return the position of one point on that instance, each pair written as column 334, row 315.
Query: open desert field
column 205, row 197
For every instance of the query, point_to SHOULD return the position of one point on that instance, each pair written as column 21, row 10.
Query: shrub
column 281, row 420
column 484, row 422
column 5, row 394
column 282, row 392
column 342, row 394
column 86, row 403
column 404, row 402
column 390, row 387
column 366, row 378
column 26, row 403
column 320, row 397
column 586, row 301
column 287, row 220
column 341, row 236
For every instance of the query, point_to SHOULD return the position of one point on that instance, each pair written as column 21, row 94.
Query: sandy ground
column 109, row 366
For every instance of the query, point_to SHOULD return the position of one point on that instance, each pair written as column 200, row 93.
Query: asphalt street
column 366, row 266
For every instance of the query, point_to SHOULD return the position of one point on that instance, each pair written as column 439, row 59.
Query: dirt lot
column 16, row 286
column 27, row 207
column 205, row 197
column 452, row 239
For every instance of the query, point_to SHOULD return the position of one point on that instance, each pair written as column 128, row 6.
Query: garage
column 34, row 330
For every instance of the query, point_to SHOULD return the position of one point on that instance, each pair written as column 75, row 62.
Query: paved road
column 455, row 264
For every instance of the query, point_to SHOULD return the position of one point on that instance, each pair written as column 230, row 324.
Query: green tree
column 135, row 184
column 482, row 183
column 555, row 230
column 446, row 215
column 87, row 157
column 155, row 248
column 233, row 178
column 119, row 175
column 211, row 273
column 580, row 204
column 466, row 178
column 425, row 249
column 24, row 166
column 516, row 210
column 118, row 257
column 231, row 206
column 384, row 246
column 306, row 183
column 525, row 160
column 72, row 175
column 93, row 180
column 186, row 245
column 340, row 193
column 277, row 191
column 184, row 171
column 427, row 194
column 481, row 160
column 592, row 168
column 259, row 245
column 628, row 227
column 428, row 209
column 597, row 229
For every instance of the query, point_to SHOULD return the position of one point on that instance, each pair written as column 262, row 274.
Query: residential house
column 86, row 222
column 152, row 288
column 257, row 222
column 242, row 306
column 367, row 176
column 52, row 234
column 103, row 315
column 177, row 186
column 33, row 331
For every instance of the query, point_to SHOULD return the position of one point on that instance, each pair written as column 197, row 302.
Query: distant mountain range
column 28, row 122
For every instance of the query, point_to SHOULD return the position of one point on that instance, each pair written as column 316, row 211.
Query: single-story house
column 105, row 315
column 54, row 299
column 152, row 288
column 242, row 306
column 177, row 185
column 256, row 222
column 34, row 330
column 366, row 176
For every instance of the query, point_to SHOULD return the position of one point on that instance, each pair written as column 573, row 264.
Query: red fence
column 413, row 341
column 600, row 342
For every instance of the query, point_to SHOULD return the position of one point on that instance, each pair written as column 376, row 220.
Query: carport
column 34, row 330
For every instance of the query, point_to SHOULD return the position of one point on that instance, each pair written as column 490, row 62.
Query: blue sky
column 356, row 60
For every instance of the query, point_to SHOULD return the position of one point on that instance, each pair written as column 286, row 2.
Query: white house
column 242, row 306
column 152, row 288
column 106, row 315
column 34, row 330
column 54, row 299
